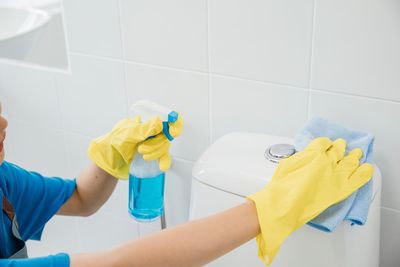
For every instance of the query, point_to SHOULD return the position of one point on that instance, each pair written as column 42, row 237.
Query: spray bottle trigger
column 166, row 131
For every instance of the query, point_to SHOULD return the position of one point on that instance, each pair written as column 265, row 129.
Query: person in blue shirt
column 28, row 200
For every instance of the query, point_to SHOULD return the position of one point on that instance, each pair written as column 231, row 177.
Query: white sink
column 19, row 30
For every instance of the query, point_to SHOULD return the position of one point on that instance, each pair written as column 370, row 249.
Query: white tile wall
column 93, row 96
column 36, row 148
column 177, row 192
column 171, row 33
column 76, row 146
column 17, row 92
column 241, row 105
column 94, row 27
column 261, row 40
column 262, row 66
column 356, row 47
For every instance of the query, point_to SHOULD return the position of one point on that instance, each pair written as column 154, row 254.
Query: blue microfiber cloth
column 355, row 207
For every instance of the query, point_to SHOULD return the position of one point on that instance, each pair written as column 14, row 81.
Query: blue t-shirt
column 35, row 199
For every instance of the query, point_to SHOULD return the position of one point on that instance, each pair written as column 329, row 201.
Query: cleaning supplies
column 114, row 151
column 146, row 179
column 303, row 186
column 354, row 208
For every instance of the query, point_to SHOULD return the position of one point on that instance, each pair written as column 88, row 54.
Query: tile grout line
column 62, row 122
column 66, row 36
column 189, row 71
column 297, row 87
column 112, row 59
column 294, row 87
column 42, row 127
column 210, row 129
column 323, row 91
column 391, row 209
column 183, row 159
column 311, row 57
column 31, row 66
column 123, row 48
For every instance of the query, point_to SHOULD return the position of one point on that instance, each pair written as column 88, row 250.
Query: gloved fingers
column 175, row 128
column 354, row 156
column 350, row 162
column 289, row 165
column 152, row 144
column 165, row 162
column 150, row 128
column 337, row 150
column 360, row 176
column 319, row 144
column 156, row 154
column 357, row 153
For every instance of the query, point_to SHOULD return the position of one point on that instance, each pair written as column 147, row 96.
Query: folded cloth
column 354, row 208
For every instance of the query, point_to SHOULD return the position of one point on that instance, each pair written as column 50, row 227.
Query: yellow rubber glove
column 303, row 186
column 158, row 147
column 114, row 151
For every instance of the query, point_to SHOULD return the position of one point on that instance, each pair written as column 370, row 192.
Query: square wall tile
column 241, row 105
column 261, row 40
column 378, row 117
column 183, row 91
column 93, row 97
column 170, row 33
column 76, row 149
column 36, row 149
column 356, row 48
column 93, row 27
column 29, row 95
column 390, row 238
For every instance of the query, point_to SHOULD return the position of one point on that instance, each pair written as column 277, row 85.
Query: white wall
column 227, row 65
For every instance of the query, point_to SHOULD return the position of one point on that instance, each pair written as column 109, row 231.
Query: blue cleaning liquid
column 146, row 197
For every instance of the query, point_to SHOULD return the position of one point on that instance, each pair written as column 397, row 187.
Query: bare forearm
column 193, row 244
column 94, row 187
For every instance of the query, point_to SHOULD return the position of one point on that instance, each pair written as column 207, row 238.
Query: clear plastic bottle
column 146, row 189
column 146, row 180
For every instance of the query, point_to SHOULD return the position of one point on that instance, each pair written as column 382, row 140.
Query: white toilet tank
column 236, row 166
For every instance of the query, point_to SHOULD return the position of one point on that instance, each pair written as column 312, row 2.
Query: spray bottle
column 146, row 180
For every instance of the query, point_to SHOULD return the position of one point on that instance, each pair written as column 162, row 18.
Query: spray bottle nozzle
column 173, row 116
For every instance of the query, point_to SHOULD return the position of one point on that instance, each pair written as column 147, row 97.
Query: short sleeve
column 58, row 260
column 35, row 198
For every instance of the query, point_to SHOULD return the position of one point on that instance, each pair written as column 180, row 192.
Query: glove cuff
column 95, row 154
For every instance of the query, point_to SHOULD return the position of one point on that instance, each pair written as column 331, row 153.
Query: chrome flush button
column 277, row 152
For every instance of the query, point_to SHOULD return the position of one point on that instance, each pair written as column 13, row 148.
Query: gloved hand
column 158, row 147
column 114, row 151
column 303, row 186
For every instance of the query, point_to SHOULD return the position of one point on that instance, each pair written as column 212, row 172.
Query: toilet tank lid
column 236, row 163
